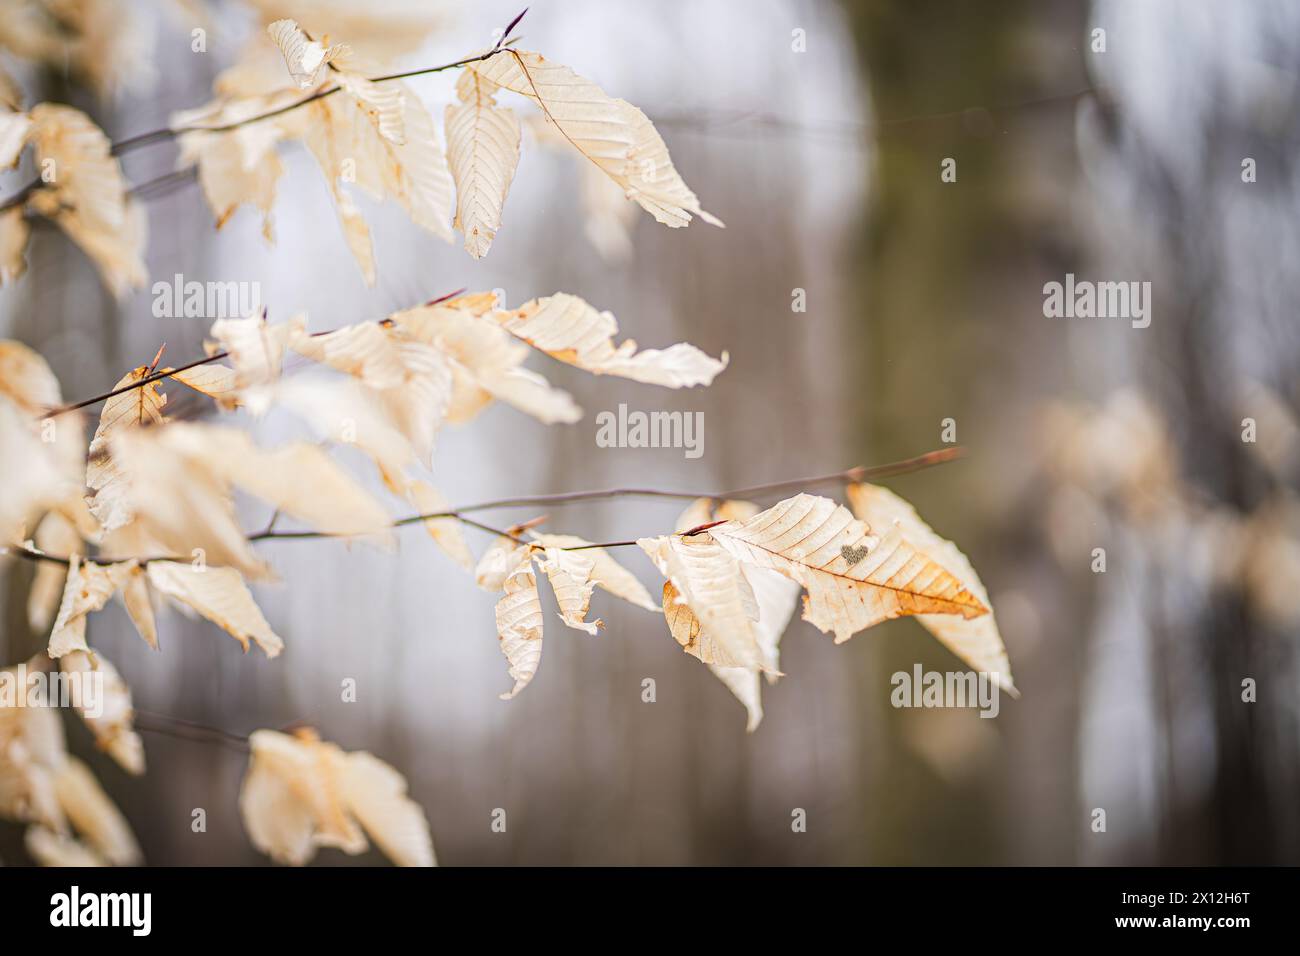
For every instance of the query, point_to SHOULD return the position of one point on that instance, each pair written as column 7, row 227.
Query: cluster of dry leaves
column 376, row 136
column 145, row 508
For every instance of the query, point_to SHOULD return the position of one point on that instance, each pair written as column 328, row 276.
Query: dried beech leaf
column 446, row 532
column 54, row 535
column 707, row 581
column 976, row 641
column 94, row 815
column 113, row 722
column 607, row 573
column 612, row 133
column 87, row 195
column 568, row 329
column 304, row 57
column 88, row 588
column 483, row 153
column 301, row 793
column 129, row 410
column 220, row 595
column 519, row 622
column 570, row 575
column 854, row 578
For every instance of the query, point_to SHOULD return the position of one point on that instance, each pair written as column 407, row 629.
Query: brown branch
column 849, row 475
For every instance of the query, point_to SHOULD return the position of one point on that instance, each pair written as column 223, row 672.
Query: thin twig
column 170, row 372
column 849, row 475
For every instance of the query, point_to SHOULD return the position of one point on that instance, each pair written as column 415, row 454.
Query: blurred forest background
column 924, row 302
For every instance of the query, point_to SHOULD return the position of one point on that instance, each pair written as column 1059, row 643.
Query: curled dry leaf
column 710, row 607
column 303, row 56
column 568, row 329
column 483, row 153
column 519, row 621
column 606, row 573
column 570, row 574
column 977, row 640
column 612, row 133
column 88, row 588
column 111, row 717
column 220, row 595
column 301, row 793
column 775, row 596
column 130, row 409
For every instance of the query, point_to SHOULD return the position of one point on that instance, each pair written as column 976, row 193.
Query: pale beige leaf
column 32, row 750
column 498, row 562
column 483, row 153
column 88, row 588
column 607, row 573
column 220, row 595
column 366, row 351
column 238, row 165
column 49, row 848
column 855, row 578
column 131, row 409
column 94, row 816
column 383, row 103
column 290, row 801
column 376, row 795
column 255, row 347
column 181, row 507
column 139, row 605
column 976, row 641
column 301, row 793
column 570, row 574
column 219, row 382
column 568, row 329
column 708, row 581
column 347, row 413
column 27, row 492
column 84, row 192
column 446, row 532
column 300, row 480
column 304, row 57
column 486, row 363
column 14, row 128
column 519, row 623
column 612, row 133
column 774, row 594
column 11, row 94
column 14, row 233
column 54, row 535
column 107, row 711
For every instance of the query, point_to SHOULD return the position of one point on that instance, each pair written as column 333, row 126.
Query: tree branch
column 849, row 475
